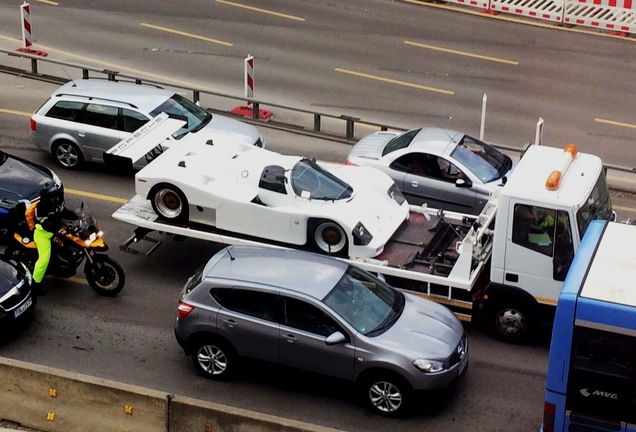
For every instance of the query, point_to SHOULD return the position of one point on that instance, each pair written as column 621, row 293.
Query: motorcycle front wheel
column 105, row 276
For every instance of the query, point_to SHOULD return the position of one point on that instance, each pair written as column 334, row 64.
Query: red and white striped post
column 249, row 78
column 248, row 109
column 27, row 31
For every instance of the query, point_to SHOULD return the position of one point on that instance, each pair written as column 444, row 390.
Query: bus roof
column 611, row 276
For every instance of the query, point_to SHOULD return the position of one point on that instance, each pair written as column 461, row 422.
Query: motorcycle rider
column 50, row 217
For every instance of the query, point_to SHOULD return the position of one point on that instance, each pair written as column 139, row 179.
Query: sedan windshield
column 486, row 162
column 181, row 107
column 365, row 302
column 309, row 180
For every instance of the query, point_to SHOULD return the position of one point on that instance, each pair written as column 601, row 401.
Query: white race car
column 336, row 209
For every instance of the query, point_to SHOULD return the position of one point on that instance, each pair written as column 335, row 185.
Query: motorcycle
column 80, row 240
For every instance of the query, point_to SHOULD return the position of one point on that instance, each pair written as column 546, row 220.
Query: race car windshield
column 309, row 180
column 181, row 107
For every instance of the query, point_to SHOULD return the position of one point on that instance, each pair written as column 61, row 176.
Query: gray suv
column 319, row 314
column 84, row 118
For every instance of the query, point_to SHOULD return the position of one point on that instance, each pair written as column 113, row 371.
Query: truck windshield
column 597, row 206
column 309, row 180
column 179, row 106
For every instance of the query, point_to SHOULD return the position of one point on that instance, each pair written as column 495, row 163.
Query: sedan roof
column 303, row 272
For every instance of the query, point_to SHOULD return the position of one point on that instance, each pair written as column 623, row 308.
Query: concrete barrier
column 51, row 399
column 187, row 414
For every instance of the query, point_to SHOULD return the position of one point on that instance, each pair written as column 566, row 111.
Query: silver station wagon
column 320, row 314
column 84, row 118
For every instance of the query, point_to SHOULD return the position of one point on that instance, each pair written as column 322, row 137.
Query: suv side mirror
column 335, row 338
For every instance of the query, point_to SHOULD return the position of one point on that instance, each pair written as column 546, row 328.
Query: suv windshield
column 486, row 162
column 179, row 106
column 365, row 302
column 309, row 180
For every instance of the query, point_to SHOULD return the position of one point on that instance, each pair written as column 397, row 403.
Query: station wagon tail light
column 549, row 412
column 184, row 309
column 361, row 237
column 429, row 366
column 33, row 125
column 554, row 179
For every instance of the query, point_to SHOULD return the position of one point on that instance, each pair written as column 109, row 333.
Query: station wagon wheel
column 329, row 237
column 214, row 359
column 387, row 394
column 68, row 155
column 170, row 203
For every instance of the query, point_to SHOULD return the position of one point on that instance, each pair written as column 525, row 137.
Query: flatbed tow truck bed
column 422, row 256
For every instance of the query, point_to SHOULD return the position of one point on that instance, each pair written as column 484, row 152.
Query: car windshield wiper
column 391, row 318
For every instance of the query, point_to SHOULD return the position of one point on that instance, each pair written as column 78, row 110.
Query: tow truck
column 504, row 267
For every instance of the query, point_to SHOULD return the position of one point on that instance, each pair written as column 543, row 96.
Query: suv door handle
column 290, row 338
column 230, row 322
column 414, row 183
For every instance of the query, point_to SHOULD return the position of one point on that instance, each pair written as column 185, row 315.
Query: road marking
column 117, row 67
column 190, row 35
column 20, row 113
column 96, row 196
column 615, row 123
column 265, row 11
column 48, row 2
column 393, row 81
column 462, row 53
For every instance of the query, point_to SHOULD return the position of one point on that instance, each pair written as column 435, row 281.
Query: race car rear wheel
column 169, row 203
column 330, row 238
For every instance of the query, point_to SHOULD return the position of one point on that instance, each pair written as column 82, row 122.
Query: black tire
column 20, row 254
column 513, row 322
column 387, row 394
column 68, row 155
column 169, row 203
column 214, row 359
column 105, row 276
column 329, row 238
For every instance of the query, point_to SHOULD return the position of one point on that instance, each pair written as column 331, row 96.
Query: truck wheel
column 169, row 203
column 386, row 394
column 330, row 238
column 68, row 155
column 513, row 323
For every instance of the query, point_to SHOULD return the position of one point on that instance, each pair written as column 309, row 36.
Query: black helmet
column 51, row 197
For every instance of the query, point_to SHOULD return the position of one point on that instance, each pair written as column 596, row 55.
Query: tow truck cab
column 538, row 229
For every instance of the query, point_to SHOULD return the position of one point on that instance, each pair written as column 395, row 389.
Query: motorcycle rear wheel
column 105, row 276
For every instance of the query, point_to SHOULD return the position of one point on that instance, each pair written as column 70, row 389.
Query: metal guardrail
column 316, row 129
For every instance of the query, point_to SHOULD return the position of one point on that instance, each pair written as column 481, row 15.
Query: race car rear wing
column 144, row 142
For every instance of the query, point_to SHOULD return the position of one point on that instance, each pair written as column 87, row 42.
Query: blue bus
column 591, row 379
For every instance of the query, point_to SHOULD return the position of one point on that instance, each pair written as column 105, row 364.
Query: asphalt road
column 130, row 338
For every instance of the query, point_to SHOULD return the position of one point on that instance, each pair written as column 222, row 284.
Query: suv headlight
column 429, row 366
column 396, row 194
column 361, row 237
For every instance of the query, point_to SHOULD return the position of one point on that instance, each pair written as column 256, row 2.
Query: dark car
column 20, row 180
column 17, row 301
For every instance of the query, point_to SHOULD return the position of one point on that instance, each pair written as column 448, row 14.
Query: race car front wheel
column 330, row 238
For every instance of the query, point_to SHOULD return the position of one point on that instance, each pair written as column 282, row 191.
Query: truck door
column 538, row 251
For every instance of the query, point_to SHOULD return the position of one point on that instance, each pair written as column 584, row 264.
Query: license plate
column 19, row 311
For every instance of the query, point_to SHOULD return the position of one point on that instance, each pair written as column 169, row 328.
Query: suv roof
column 308, row 273
column 142, row 96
